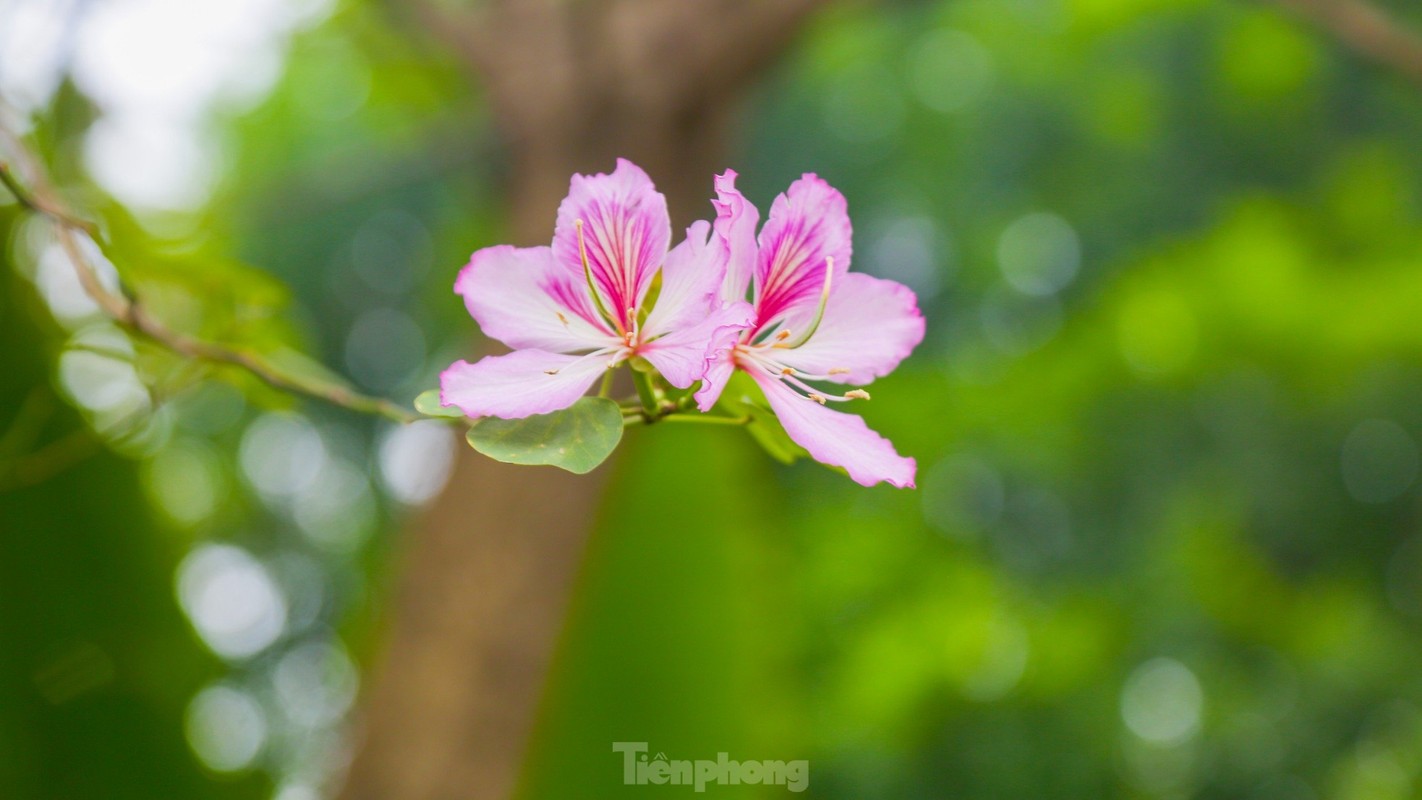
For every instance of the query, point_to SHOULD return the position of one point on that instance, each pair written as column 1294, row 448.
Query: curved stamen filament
column 758, row 357
column 819, row 311
column 757, row 351
column 592, row 288
column 810, row 376
column 814, row 393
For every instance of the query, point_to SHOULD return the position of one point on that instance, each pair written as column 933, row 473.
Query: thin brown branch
column 34, row 204
column 128, row 312
column 1368, row 30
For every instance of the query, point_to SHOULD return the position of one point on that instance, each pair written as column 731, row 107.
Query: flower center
column 763, row 355
column 631, row 332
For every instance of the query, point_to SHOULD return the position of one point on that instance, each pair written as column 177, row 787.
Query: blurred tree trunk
column 486, row 578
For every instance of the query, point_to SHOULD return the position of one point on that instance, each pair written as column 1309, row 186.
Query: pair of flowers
column 782, row 307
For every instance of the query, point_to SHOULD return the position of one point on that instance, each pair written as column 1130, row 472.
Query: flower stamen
column 631, row 336
column 819, row 311
column 759, row 357
column 592, row 288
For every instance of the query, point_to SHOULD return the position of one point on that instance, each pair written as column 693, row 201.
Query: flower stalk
column 648, row 393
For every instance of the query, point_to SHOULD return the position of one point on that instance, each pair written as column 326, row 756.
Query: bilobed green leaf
column 743, row 396
column 427, row 403
column 577, row 439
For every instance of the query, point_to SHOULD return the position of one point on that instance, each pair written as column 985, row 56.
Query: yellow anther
column 818, row 398
column 561, row 318
column 782, row 336
column 839, row 370
column 857, row 394
column 787, row 371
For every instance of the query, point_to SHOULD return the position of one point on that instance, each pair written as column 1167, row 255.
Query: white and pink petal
column 521, row 383
column 869, row 326
column 835, row 438
column 719, row 369
column 736, row 218
column 625, row 231
column 691, row 282
column 684, row 355
column 519, row 297
column 806, row 234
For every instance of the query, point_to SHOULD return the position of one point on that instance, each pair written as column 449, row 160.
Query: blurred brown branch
column 123, row 308
column 48, row 461
column 1368, row 30
column 23, row 465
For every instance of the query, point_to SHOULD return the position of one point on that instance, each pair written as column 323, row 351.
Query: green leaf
column 577, row 439
column 743, row 396
column 427, row 403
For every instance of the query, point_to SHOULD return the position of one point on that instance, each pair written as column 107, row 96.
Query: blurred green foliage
column 1165, row 541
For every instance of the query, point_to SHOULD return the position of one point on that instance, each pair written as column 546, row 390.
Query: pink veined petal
column 519, row 384
column 684, row 355
column 719, row 369
column 691, row 283
column 807, row 225
column 840, row 440
column 513, row 293
column 869, row 326
column 626, row 231
column 720, row 353
column 736, row 218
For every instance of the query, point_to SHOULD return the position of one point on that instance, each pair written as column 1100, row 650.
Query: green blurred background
column 1166, row 537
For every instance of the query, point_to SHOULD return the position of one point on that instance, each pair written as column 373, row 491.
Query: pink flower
column 572, row 311
column 813, row 321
